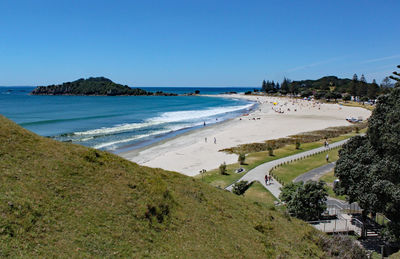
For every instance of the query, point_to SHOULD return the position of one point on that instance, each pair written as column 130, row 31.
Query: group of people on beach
column 268, row 179
column 215, row 140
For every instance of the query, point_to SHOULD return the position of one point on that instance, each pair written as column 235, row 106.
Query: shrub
column 306, row 137
column 346, row 97
column 240, row 188
column 241, row 158
column 298, row 144
column 222, row 168
column 270, row 151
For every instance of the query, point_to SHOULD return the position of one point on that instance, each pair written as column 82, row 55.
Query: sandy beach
column 274, row 118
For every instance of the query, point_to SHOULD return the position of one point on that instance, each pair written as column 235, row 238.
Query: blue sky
column 196, row 42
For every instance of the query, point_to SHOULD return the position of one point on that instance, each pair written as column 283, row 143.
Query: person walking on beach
column 205, row 139
column 215, row 140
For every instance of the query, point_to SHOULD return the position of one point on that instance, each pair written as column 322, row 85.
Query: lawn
column 257, row 193
column 288, row 172
column 253, row 160
column 329, row 178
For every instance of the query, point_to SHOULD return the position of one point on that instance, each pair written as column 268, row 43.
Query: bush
column 240, row 188
column 346, row 97
column 306, row 137
column 298, row 144
column 241, row 158
column 222, row 168
column 340, row 246
column 270, row 151
column 296, row 195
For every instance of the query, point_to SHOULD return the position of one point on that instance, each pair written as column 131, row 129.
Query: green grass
column 288, row 172
column 69, row 201
column 257, row 193
column 357, row 104
column 253, row 160
column 395, row 255
column 329, row 178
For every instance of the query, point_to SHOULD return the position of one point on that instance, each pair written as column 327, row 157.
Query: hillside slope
column 64, row 200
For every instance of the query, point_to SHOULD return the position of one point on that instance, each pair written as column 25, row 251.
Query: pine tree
column 354, row 83
column 264, row 86
column 396, row 77
column 373, row 90
column 362, row 87
column 285, row 86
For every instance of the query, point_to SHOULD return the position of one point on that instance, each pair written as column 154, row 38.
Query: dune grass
column 69, row 201
column 357, row 104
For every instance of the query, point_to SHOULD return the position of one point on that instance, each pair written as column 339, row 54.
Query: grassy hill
column 64, row 200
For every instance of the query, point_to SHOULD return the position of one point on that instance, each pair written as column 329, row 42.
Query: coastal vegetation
column 306, row 137
column 254, row 159
column 330, row 88
column 288, row 172
column 65, row 200
column 306, row 201
column 91, row 86
column 368, row 166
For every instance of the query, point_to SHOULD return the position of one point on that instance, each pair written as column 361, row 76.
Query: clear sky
column 196, row 42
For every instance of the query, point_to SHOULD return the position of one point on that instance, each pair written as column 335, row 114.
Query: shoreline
column 274, row 117
column 175, row 134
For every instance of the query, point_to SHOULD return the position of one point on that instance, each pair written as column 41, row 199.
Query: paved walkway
column 315, row 174
column 258, row 173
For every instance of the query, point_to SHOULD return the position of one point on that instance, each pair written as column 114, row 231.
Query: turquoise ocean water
column 118, row 123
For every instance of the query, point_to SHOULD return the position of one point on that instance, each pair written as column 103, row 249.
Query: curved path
column 315, row 174
column 258, row 173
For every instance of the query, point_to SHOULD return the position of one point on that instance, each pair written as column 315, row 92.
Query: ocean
column 119, row 123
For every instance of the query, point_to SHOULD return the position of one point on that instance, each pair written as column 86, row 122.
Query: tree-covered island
column 93, row 86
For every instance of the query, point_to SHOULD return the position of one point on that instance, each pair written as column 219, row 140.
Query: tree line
column 330, row 87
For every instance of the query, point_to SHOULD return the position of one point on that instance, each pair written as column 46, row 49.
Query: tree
column 222, row 168
column 240, row 188
column 354, row 85
column 264, row 86
column 346, row 97
column 362, row 87
column 396, row 77
column 285, row 86
column 369, row 166
column 288, row 190
column 386, row 83
column 305, row 201
column 241, row 158
column 306, row 93
column 373, row 90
